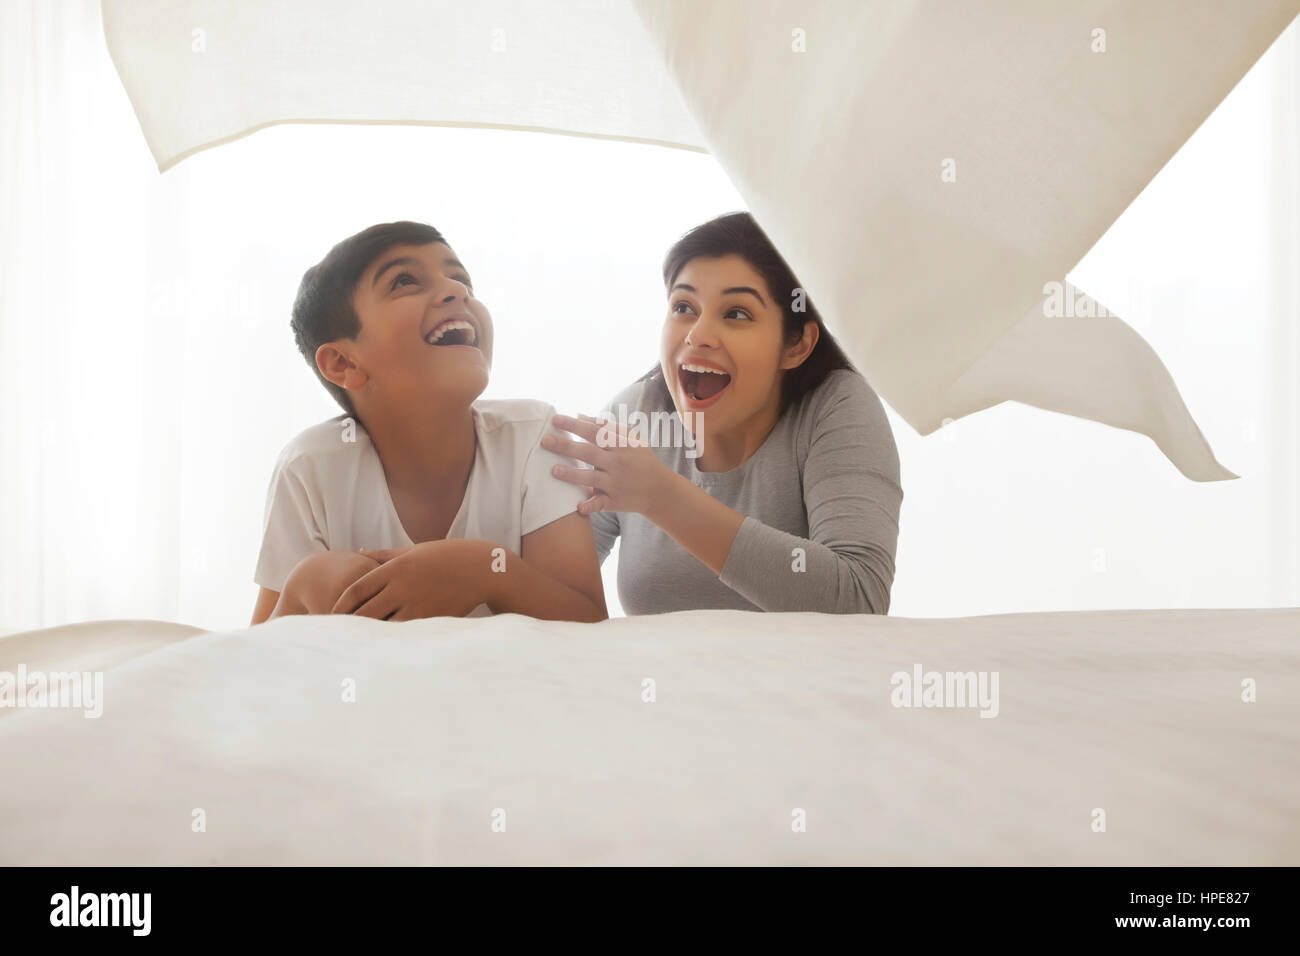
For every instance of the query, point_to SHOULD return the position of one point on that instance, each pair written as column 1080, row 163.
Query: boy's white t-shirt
column 330, row 494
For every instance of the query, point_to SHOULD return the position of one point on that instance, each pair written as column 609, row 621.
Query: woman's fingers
column 599, row 502
column 583, row 427
column 601, row 432
column 575, row 476
column 581, row 450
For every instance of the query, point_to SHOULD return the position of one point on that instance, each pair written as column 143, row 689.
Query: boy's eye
column 465, row 281
column 400, row 276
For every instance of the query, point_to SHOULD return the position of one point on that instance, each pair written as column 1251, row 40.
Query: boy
column 420, row 500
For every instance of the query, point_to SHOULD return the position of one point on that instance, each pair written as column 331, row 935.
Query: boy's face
column 424, row 337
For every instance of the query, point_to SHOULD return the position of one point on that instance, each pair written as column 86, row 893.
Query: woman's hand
column 625, row 473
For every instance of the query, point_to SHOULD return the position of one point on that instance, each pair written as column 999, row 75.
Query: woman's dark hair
column 738, row 234
column 323, row 311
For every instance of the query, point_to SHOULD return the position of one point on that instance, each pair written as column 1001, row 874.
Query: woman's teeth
column 702, row 382
column 453, row 332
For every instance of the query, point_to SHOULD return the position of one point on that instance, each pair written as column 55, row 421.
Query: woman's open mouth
column 453, row 332
column 702, row 385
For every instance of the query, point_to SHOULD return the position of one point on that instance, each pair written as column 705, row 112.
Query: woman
column 784, row 494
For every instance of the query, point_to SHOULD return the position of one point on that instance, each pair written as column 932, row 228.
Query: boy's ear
column 338, row 368
column 794, row 355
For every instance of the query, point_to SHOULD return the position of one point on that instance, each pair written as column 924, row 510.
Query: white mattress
column 756, row 716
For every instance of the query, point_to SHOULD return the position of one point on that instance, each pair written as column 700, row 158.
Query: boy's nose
column 453, row 290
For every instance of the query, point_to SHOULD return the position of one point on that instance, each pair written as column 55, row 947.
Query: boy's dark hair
column 739, row 234
column 323, row 310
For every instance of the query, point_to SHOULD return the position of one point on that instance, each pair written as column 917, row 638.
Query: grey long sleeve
column 822, row 497
column 852, row 497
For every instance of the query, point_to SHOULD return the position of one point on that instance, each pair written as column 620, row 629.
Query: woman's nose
column 702, row 334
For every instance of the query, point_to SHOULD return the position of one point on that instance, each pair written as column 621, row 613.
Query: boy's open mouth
column 452, row 332
column 702, row 382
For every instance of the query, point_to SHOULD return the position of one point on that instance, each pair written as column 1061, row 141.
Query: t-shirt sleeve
column 545, row 497
column 292, row 525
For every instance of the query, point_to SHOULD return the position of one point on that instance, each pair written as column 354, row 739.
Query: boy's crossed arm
column 556, row 577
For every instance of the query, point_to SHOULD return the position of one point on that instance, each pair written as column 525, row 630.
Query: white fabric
column 88, row 646
column 832, row 117
column 1135, row 713
column 328, row 491
column 937, row 287
column 199, row 75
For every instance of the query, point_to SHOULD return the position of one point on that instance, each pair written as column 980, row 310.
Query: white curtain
column 148, row 376
column 92, row 474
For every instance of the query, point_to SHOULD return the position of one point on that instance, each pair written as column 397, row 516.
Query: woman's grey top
column 821, row 497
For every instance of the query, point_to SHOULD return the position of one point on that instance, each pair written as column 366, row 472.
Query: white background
column 148, row 376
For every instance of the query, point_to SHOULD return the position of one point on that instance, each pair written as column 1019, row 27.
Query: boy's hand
column 431, row 579
column 384, row 554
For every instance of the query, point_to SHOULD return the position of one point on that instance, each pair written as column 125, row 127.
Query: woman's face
column 722, row 344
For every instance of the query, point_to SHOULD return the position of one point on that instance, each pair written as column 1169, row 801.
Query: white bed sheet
column 1135, row 712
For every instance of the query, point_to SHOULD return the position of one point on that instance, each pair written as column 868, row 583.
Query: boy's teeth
column 441, row 331
column 703, row 368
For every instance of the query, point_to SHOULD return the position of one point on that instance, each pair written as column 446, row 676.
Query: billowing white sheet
column 458, row 724
column 835, row 119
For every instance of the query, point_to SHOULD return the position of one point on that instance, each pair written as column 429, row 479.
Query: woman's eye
column 679, row 307
column 739, row 314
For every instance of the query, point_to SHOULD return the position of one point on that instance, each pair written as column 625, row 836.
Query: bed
column 703, row 737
